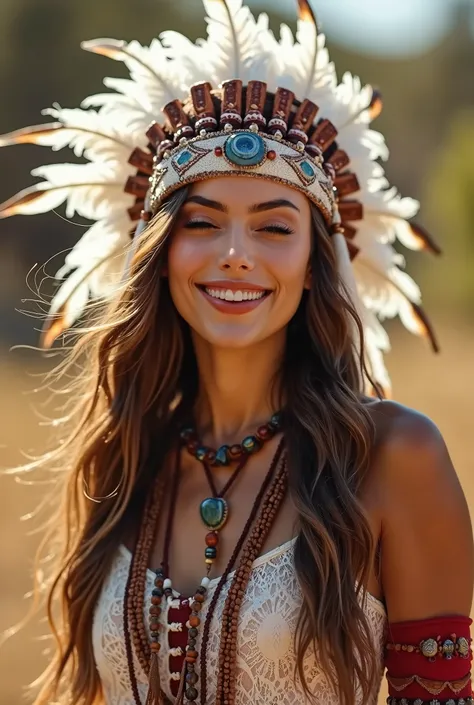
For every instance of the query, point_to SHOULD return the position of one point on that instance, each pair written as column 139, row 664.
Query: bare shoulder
column 425, row 525
column 408, row 447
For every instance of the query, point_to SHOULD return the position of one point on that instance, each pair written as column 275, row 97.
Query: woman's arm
column 427, row 559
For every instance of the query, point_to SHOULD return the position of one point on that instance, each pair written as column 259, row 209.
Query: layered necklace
column 214, row 512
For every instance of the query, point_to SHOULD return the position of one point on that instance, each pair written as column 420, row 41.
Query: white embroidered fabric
column 267, row 624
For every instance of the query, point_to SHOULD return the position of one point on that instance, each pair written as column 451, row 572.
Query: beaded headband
column 295, row 125
column 241, row 143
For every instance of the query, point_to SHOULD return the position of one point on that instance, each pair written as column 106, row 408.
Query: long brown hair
column 137, row 364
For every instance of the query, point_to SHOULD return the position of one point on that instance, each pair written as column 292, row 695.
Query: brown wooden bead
column 212, row 539
column 196, row 606
column 156, row 600
column 194, row 621
column 198, row 597
column 154, row 626
column 190, row 659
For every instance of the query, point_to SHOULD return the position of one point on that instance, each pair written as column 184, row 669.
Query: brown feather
column 29, row 135
column 53, row 327
column 427, row 242
column 426, row 327
column 10, row 207
column 376, row 104
column 305, row 12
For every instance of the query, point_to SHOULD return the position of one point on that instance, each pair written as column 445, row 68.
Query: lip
column 233, row 307
column 232, row 285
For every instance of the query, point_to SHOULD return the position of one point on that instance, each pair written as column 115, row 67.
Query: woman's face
column 238, row 259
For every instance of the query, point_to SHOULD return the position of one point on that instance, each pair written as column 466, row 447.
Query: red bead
column 271, row 155
column 210, row 456
column 263, row 433
column 212, row 539
column 235, row 451
column 218, row 151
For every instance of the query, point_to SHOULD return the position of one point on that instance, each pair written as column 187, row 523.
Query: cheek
column 290, row 265
column 185, row 255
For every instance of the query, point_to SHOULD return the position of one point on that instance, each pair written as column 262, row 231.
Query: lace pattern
column 267, row 623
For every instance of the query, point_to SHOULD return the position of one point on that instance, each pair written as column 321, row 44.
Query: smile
column 239, row 295
column 230, row 299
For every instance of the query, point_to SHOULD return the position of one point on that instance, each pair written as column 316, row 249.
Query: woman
column 302, row 533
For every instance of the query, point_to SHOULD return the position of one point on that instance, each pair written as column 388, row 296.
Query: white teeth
column 229, row 295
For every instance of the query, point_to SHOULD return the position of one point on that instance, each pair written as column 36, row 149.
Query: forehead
column 244, row 191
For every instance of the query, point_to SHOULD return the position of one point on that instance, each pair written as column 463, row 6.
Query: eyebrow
column 255, row 208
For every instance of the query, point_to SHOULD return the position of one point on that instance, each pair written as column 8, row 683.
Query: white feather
column 92, row 135
column 232, row 39
column 156, row 76
column 92, row 190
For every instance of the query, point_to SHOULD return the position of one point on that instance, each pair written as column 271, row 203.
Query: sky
column 382, row 27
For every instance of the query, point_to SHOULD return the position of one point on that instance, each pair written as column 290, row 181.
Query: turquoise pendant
column 214, row 512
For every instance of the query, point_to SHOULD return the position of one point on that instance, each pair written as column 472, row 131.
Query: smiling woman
column 244, row 517
column 235, row 255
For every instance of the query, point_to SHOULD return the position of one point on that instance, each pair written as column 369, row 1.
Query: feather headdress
column 319, row 134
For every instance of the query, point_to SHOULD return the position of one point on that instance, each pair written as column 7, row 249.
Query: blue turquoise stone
column 184, row 157
column 251, row 444
column 201, row 453
column 245, row 149
column 307, row 169
column 221, row 456
column 210, row 552
column 213, row 512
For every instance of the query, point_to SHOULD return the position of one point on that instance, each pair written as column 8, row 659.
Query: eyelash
column 199, row 225
column 203, row 224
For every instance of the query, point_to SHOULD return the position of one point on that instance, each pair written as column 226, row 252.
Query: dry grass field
column 442, row 387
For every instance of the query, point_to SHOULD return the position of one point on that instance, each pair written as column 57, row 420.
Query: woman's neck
column 238, row 388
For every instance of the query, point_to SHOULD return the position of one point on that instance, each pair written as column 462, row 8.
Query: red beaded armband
column 429, row 660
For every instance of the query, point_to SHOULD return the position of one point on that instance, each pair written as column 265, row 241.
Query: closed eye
column 282, row 229
column 200, row 225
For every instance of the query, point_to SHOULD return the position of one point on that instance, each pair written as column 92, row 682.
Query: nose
column 236, row 255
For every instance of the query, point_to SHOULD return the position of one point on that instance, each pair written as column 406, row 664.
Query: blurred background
column 421, row 55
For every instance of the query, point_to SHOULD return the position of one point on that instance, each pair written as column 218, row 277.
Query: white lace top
column 267, row 623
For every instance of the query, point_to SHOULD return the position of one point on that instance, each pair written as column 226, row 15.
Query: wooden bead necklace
column 134, row 597
column 225, row 455
column 214, row 510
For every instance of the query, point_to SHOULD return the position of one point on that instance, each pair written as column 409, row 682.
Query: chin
column 232, row 336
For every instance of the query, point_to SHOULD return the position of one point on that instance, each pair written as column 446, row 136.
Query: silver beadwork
column 228, row 127
column 463, row 647
column 253, row 127
column 429, row 648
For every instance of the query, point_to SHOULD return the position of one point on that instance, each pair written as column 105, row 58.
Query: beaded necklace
column 147, row 653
